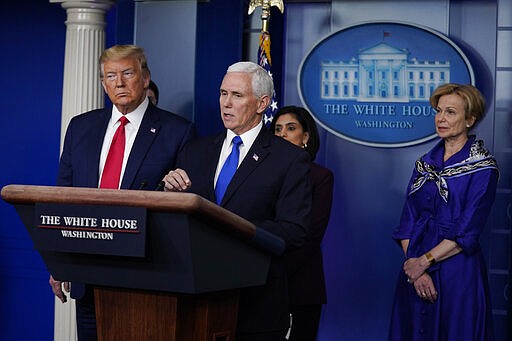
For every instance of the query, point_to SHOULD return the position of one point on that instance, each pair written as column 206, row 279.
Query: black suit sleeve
column 65, row 176
column 322, row 181
column 293, row 205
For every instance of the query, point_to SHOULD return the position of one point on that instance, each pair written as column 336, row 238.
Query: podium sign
column 90, row 229
column 192, row 245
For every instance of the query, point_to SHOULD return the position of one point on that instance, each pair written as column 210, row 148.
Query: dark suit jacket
column 306, row 281
column 160, row 137
column 271, row 189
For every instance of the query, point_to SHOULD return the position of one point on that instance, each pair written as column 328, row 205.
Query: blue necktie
column 228, row 169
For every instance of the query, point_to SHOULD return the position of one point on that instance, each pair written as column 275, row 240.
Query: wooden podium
column 185, row 286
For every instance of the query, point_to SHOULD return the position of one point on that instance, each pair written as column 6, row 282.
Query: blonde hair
column 118, row 52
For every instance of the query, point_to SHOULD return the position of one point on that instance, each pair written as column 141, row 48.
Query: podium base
column 127, row 314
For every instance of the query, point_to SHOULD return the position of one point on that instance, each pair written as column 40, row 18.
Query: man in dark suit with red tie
column 269, row 187
column 131, row 145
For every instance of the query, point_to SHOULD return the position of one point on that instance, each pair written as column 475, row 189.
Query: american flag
column 266, row 62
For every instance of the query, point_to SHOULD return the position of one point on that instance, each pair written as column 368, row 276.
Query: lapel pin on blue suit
column 153, row 130
column 255, row 157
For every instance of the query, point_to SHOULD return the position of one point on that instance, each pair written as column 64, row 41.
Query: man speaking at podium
column 258, row 176
column 131, row 145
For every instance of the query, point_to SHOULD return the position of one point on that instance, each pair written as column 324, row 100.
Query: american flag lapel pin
column 255, row 157
column 153, row 130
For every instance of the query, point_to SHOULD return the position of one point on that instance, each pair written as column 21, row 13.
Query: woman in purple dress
column 442, row 291
column 304, row 266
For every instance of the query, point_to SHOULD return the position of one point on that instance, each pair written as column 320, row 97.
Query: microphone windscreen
column 160, row 186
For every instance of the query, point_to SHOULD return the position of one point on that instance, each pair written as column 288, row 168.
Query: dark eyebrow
column 290, row 124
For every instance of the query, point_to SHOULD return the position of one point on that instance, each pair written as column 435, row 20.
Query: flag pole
column 264, row 58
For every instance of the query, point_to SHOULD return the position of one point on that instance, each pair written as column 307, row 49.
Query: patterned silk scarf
column 479, row 159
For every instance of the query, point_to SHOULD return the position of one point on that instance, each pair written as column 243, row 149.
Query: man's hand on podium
column 177, row 181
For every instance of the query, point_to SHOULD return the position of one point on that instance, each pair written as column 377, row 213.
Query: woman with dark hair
column 306, row 283
column 442, row 292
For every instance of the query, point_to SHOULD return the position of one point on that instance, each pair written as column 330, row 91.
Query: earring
column 467, row 126
column 305, row 145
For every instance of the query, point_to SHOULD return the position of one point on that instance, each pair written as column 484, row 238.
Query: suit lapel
column 254, row 158
column 212, row 154
column 148, row 130
column 96, row 143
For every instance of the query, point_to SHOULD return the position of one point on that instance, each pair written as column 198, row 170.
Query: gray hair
column 262, row 83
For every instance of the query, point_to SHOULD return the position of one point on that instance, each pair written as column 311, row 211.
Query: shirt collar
column 248, row 137
column 134, row 117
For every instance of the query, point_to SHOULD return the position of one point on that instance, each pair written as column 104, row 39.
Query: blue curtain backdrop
column 31, row 87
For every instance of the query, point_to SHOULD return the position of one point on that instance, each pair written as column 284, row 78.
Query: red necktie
column 114, row 162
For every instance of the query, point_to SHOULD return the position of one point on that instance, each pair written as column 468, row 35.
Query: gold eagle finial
column 265, row 4
column 265, row 9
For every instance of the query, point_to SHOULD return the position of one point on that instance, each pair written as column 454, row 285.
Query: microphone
column 160, row 186
column 143, row 184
